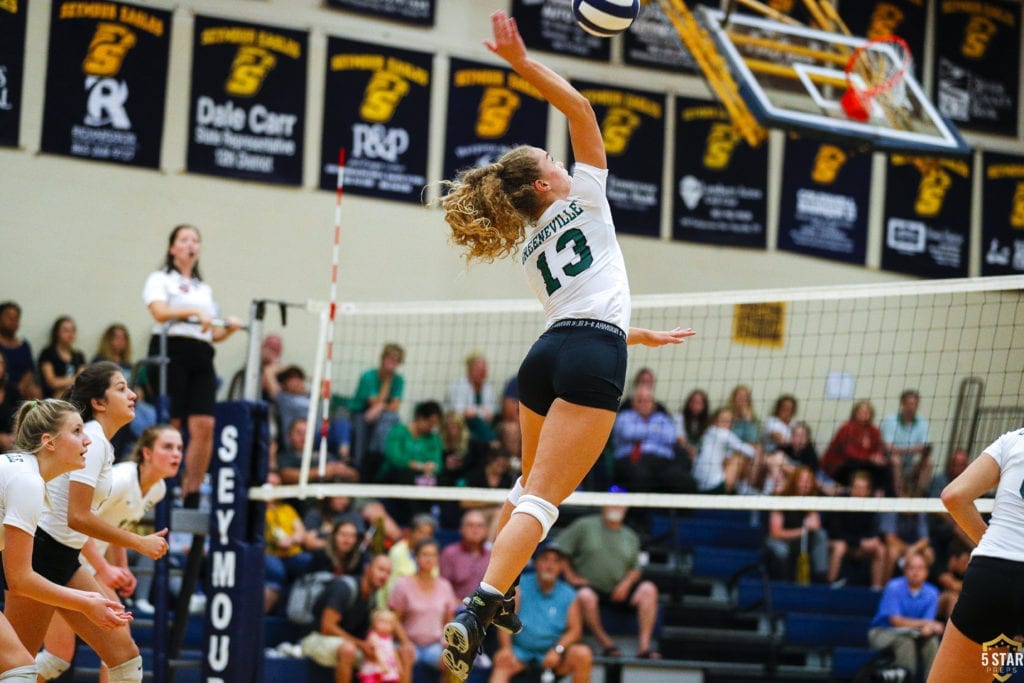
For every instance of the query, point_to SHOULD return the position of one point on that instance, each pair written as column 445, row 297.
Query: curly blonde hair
column 489, row 207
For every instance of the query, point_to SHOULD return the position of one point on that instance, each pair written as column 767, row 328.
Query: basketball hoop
column 880, row 73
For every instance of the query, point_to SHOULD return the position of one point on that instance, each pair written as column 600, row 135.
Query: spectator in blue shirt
column 905, row 434
column 905, row 620
column 645, row 452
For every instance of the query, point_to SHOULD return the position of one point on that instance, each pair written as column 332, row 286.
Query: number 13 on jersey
column 582, row 259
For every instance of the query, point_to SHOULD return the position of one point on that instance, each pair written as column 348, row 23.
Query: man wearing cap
column 552, row 625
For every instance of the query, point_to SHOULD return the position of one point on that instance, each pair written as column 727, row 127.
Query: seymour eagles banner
column 927, row 216
column 12, row 61
column 490, row 109
column 720, row 181
column 419, row 12
column 1002, row 215
column 248, row 102
column 549, row 25
column 106, row 80
column 376, row 106
column 633, row 127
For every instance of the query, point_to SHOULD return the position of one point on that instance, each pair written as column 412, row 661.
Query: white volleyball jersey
column 1005, row 534
column 126, row 503
column 573, row 262
column 21, row 493
column 99, row 461
column 175, row 290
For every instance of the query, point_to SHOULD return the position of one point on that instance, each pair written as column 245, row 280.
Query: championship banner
column 550, row 26
column 633, row 128
column 12, row 64
column 927, row 228
column 248, row 103
column 652, row 41
column 880, row 18
column 720, row 182
column 490, row 110
column 420, row 12
column 106, row 82
column 977, row 64
column 376, row 106
column 1002, row 215
column 824, row 205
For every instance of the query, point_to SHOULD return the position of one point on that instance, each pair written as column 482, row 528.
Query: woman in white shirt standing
column 137, row 485
column 177, row 294
column 50, row 437
column 991, row 605
column 107, row 404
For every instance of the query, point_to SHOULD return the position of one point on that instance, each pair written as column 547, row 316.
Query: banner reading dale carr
column 106, row 82
column 376, row 106
column 12, row 63
column 633, row 127
column 879, row 18
column 927, row 216
column 977, row 64
column 248, row 104
column 823, row 210
column 490, row 109
column 720, row 182
column 1002, row 215
column 408, row 11
column 550, row 26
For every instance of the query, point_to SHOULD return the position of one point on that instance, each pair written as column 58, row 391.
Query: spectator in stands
column 956, row 463
column 943, row 530
column 115, row 345
column 344, row 553
column 692, row 420
column 745, row 424
column 510, row 401
column 343, row 623
column 374, row 408
column 905, row 533
column 403, row 559
column 604, row 557
column 858, row 445
column 412, row 454
column 802, row 450
column 905, row 620
column 8, row 409
column 777, row 432
column 644, row 378
column 288, row 394
column 320, row 519
column 21, row 364
column 458, row 452
column 645, row 456
column 553, row 625
column 60, row 362
column 855, row 535
column 722, row 457
column 384, row 667
column 493, row 473
column 285, row 559
column 424, row 603
column 951, row 580
column 289, row 459
column 465, row 562
column 473, row 397
column 792, row 533
column 905, row 434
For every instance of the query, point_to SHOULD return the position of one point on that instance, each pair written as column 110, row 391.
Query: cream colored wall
column 79, row 237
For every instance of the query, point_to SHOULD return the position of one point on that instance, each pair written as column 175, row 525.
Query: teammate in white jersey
column 991, row 604
column 137, row 485
column 571, row 382
column 52, row 440
column 69, row 518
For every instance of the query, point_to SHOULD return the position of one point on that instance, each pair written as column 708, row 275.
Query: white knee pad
column 540, row 509
column 516, row 492
column 21, row 674
column 127, row 672
column 50, row 665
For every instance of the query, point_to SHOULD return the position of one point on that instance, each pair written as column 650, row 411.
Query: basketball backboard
column 793, row 76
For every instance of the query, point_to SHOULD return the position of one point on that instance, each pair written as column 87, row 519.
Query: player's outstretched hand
column 507, row 43
column 639, row 335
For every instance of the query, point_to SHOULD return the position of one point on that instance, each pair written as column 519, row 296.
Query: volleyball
column 605, row 18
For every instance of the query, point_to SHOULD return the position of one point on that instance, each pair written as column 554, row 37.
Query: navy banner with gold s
column 490, row 109
column 927, row 216
column 633, row 127
column 823, row 210
column 550, row 26
column 106, row 82
column 652, row 41
column 248, row 104
column 376, row 106
column 720, row 182
column 977, row 64
column 12, row 63
column 420, row 12
column 879, row 18
column 1002, row 215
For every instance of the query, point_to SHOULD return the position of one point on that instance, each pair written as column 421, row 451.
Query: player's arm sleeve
column 588, row 184
column 24, row 502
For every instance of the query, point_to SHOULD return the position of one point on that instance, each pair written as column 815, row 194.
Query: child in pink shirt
column 384, row 669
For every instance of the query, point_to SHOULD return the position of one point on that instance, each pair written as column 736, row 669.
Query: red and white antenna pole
column 325, row 385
